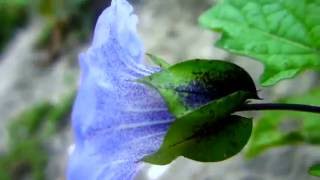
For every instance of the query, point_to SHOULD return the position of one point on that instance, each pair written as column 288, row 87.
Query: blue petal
column 116, row 121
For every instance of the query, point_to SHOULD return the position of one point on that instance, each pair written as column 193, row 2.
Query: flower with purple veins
column 116, row 121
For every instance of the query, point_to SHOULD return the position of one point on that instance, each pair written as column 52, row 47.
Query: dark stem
column 280, row 106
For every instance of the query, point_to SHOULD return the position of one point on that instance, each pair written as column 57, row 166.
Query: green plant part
column 28, row 133
column 158, row 61
column 207, row 134
column 12, row 16
column 59, row 9
column 26, row 156
column 315, row 170
column 28, row 123
column 202, row 95
column 25, row 159
column 275, row 129
column 45, row 36
column 58, row 112
column 190, row 84
column 64, row 19
column 282, row 34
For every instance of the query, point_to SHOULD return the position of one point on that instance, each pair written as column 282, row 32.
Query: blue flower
column 116, row 121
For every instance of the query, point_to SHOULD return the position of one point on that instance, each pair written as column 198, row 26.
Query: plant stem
column 280, row 106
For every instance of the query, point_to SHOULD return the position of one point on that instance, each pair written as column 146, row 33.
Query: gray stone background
column 169, row 28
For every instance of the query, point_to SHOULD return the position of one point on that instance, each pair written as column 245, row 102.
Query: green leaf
column 315, row 170
column 207, row 134
column 282, row 128
column 191, row 84
column 158, row 61
column 282, row 34
column 202, row 95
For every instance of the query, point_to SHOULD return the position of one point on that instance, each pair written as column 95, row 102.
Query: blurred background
column 39, row 44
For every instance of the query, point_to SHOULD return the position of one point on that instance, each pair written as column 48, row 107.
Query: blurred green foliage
column 27, row 155
column 315, row 170
column 13, row 15
column 61, row 18
column 60, row 9
column 282, row 128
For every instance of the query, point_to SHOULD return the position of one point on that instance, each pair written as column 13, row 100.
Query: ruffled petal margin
column 116, row 121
